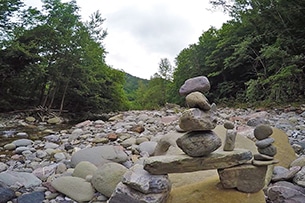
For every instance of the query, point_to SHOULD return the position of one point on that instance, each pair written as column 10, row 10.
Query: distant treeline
column 51, row 59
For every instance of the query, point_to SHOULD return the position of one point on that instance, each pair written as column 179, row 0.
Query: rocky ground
column 28, row 166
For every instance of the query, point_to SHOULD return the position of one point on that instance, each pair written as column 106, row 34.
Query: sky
column 142, row 32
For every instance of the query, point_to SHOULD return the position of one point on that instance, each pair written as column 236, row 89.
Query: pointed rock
column 195, row 119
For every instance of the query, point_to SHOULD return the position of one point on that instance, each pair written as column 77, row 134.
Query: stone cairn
column 264, row 146
column 236, row 167
column 198, row 120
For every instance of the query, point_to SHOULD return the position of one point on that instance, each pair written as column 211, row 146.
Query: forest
column 256, row 58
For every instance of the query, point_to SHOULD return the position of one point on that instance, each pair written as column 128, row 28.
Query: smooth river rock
column 106, row 177
column 200, row 84
column 197, row 100
column 99, row 155
column 199, row 143
column 184, row 163
column 74, row 187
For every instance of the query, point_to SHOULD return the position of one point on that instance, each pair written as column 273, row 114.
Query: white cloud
column 140, row 33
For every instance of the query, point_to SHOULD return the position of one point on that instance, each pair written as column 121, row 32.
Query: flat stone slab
column 183, row 163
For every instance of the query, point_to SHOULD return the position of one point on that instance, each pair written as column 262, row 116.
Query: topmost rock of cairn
column 200, row 84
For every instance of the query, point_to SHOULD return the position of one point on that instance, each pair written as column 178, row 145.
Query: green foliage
column 58, row 62
column 256, row 57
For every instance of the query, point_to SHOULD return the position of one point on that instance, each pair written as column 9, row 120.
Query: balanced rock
column 200, row 83
column 182, row 163
column 262, row 157
column 264, row 143
column 230, row 140
column 269, row 151
column 228, row 125
column 197, row 100
column 195, row 119
column 199, row 143
column 245, row 178
column 262, row 132
column 142, row 181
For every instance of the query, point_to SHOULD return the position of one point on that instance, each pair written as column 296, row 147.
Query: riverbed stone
column 195, row 119
column 197, row 100
column 199, row 143
column 22, row 142
column 300, row 161
column 10, row 178
column 83, row 169
column 245, row 178
column 3, row 166
column 106, row 177
column 9, row 146
column 299, row 177
column 285, row 175
column 99, row 155
column 30, row 119
column 74, row 187
column 148, row 146
column 6, row 194
column 182, row 163
column 36, row 196
column 54, row 120
column 200, row 84
column 284, row 191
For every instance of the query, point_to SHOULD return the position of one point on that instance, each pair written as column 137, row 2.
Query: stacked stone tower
column 198, row 120
column 264, row 145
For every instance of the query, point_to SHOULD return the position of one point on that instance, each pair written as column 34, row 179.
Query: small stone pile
column 140, row 186
column 266, row 150
column 198, row 120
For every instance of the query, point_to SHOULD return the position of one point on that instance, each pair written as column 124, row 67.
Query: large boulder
column 99, row 155
column 210, row 190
